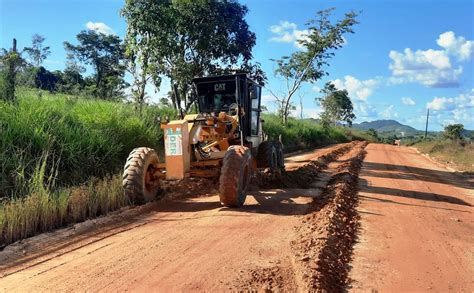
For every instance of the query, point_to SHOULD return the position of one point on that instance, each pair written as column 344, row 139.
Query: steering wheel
column 233, row 109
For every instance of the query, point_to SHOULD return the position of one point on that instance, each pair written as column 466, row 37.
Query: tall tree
column 337, row 106
column 184, row 39
column 37, row 52
column 308, row 65
column 106, row 54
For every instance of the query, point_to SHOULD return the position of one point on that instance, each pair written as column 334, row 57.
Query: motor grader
column 224, row 140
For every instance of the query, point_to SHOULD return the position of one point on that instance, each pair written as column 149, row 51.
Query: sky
column 404, row 57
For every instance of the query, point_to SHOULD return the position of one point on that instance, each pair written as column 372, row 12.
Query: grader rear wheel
column 235, row 176
column 280, row 157
column 267, row 156
column 139, row 180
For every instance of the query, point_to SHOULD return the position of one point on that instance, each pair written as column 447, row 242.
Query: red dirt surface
column 417, row 225
column 414, row 227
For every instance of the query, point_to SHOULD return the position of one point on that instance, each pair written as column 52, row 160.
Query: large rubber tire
column 235, row 176
column 138, row 183
column 280, row 157
column 267, row 155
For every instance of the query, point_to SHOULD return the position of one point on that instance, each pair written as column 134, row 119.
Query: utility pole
column 427, row 117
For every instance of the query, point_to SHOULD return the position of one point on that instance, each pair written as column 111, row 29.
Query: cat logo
column 218, row 87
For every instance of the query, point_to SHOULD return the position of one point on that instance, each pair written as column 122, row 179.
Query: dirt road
column 416, row 233
column 417, row 225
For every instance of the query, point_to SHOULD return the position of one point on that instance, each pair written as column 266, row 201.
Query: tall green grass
column 85, row 137
column 300, row 134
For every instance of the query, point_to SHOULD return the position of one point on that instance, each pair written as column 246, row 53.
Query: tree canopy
column 182, row 39
column 337, row 106
column 37, row 53
column 453, row 131
column 105, row 53
column 308, row 65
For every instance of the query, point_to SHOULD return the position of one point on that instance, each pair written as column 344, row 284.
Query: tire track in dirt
column 322, row 245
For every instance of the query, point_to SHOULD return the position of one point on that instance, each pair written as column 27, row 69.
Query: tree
column 71, row 80
column 37, row 52
column 307, row 65
column 337, row 106
column 10, row 62
column 183, row 39
column 47, row 80
column 105, row 53
column 453, row 131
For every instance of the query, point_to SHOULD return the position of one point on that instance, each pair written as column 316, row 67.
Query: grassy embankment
column 61, row 157
column 303, row 134
column 458, row 155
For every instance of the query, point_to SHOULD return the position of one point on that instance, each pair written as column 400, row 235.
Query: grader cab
column 224, row 140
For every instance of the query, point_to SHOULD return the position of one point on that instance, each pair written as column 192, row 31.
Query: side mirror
column 261, row 120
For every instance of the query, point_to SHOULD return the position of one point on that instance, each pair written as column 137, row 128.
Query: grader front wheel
column 235, row 176
column 139, row 175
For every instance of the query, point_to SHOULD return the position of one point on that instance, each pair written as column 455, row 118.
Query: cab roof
column 224, row 77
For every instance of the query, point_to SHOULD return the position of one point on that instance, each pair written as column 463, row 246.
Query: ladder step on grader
column 224, row 140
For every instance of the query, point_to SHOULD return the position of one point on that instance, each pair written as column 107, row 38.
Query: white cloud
column 457, row 46
column 459, row 109
column 359, row 89
column 288, row 32
column 100, row 27
column 389, row 113
column 432, row 68
column 408, row 101
column 461, row 101
column 365, row 111
column 316, row 88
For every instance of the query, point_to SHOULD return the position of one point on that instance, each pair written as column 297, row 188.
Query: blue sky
column 405, row 56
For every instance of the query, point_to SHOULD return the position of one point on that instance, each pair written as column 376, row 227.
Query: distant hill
column 385, row 127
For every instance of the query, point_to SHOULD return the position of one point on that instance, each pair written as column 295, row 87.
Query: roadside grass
column 45, row 208
column 85, row 137
column 301, row 134
column 461, row 155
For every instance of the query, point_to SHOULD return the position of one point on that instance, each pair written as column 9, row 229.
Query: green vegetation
column 188, row 39
column 82, row 137
column 451, row 152
column 309, row 65
column 452, row 147
column 301, row 134
column 337, row 106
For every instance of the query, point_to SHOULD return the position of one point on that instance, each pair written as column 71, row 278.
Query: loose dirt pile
column 327, row 235
column 304, row 176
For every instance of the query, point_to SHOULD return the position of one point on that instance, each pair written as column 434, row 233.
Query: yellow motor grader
column 225, row 140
